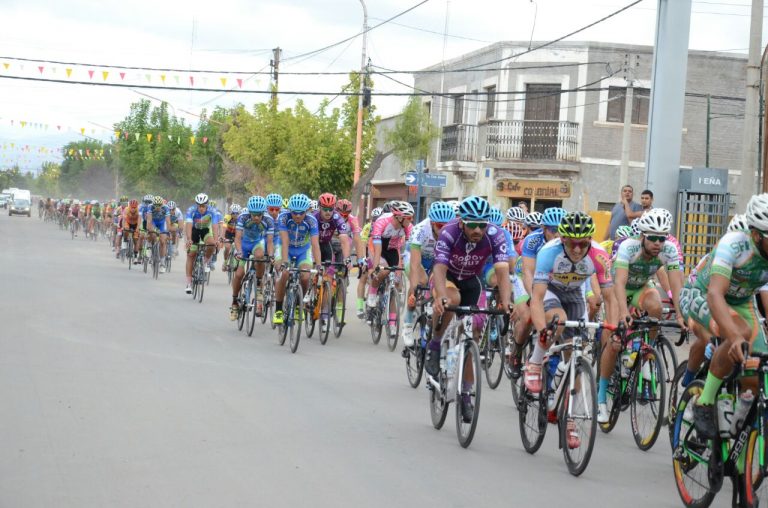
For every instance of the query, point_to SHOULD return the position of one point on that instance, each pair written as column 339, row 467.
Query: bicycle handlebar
column 474, row 309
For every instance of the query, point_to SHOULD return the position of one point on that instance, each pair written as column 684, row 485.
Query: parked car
column 4, row 198
column 20, row 206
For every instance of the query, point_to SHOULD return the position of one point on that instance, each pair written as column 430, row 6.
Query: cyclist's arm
column 719, row 308
column 285, row 241
column 239, row 241
column 502, row 279
column 315, row 242
column 439, row 273
column 676, row 283
column 270, row 244
column 538, row 317
column 415, row 264
column 529, row 266
column 344, row 239
column 359, row 247
column 620, row 284
column 664, row 280
column 376, row 254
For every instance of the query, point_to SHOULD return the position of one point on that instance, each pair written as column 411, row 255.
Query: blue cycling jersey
column 199, row 220
column 158, row 212
column 533, row 243
column 254, row 232
column 299, row 233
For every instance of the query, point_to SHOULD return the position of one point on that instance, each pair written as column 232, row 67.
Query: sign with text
column 427, row 179
column 539, row 189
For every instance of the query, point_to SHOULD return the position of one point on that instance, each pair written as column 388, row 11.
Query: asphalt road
column 118, row 390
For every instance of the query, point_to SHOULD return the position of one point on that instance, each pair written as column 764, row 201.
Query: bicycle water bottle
column 443, row 354
column 740, row 414
column 725, row 414
column 552, row 364
column 561, row 368
column 626, row 359
column 450, row 362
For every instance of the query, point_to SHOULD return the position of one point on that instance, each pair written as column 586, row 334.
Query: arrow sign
column 411, row 178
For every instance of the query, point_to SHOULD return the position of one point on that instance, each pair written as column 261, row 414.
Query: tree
column 47, row 182
column 87, row 170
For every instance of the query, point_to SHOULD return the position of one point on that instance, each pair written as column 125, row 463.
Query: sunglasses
column 580, row 244
column 476, row 225
column 326, row 209
column 256, row 214
column 655, row 238
column 293, row 212
column 439, row 225
column 274, row 208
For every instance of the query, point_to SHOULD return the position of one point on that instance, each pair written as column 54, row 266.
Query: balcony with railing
column 511, row 140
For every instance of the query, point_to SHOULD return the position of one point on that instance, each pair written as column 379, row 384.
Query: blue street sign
column 427, row 179
column 421, row 164
column 411, row 178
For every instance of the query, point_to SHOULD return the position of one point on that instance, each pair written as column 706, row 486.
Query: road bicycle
column 459, row 377
column 422, row 333
column 250, row 298
column 198, row 274
column 318, row 305
column 74, row 226
column 387, row 309
column 492, row 342
column 339, row 297
column 293, row 307
column 570, row 402
column 268, row 290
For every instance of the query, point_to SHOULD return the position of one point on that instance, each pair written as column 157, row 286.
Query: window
column 458, row 109
column 428, row 108
column 640, row 104
column 490, row 102
column 602, row 206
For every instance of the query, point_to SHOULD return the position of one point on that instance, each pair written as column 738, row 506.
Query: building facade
column 547, row 127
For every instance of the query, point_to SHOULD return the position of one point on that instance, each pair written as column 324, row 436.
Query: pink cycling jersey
column 385, row 230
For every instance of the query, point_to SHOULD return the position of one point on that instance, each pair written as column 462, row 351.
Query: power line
column 524, row 67
column 107, row 66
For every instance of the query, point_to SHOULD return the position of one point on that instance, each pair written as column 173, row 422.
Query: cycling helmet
column 298, row 203
column 327, row 200
column 274, row 200
column 124, row 198
column 387, row 207
column 757, row 212
column 157, row 201
column 440, row 211
column 533, row 220
column 344, row 206
column 201, row 199
column 285, row 203
column 516, row 214
column 213, row 204
column 376, row 213
column 515, row 229
column 235, row 209
column 635, row 227
column 667, row 214
column 257, row 204
column 623, row 232
column 455, row 205
column 148, row 198
column 312, row 205
column 76, row 202
column 552, row 217
column 134, row 203
column 171, row 204
column 497, row 218
column 738, row 223
column 475, row 208
column 576, row 225
column 654, row 221
column 401, row 209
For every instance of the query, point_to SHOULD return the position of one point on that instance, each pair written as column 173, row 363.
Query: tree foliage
column 84, row 176
column 413, row 133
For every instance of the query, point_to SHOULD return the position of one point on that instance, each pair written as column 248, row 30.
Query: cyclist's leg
column 192, row 253
column 259, row 251
column 304, row 260
column 432, row 364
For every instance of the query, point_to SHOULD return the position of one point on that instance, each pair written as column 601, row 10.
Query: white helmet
column 455, row 204
column 401, row 208
column 654, row 221
column 234, row 208
column 516, row 214
column 201, row 199
column 757, row 212
column 313, row 204
column 635, row 227
column 667, row 214
column 738, row 223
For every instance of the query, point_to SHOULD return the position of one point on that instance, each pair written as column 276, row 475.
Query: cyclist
column 388, row 234
column 721, row 303
column 75, row 212
column 637, row 260
column 344, row 208
column 299, row 244
column 130, row 221
column 95, row 217
column 254, row 233
column 533, row 221
column 144, row 207
column 230, row 225
column 158, row 220
column 460, row 254
column 329, row 222
column 176, row 218
column 199, row 228
column 218, row 227
column 365, row 236
column 274, row 206
column 419, row 257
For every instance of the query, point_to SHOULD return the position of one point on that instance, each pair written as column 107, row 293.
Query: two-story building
column 547, row 126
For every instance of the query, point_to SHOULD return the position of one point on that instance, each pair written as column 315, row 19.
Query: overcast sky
column 238, row 35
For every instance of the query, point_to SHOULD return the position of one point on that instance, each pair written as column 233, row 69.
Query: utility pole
column 745, row 186
column 626, row 139
column 709, row 127
column 275, row 66
column 361, row 88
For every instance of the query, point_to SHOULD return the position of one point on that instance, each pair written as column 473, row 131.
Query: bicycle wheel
column 517, row 384
column 156, row 259
column 325, row 312
column 583, row 412
column 688, row 459
column 228, row 267
column 251, row 306
column 144, row 257
column 493, row 351
column 465, row 430
column 617, row 390
column 339, row 306
column 754, row 472
column 668, row 358
column 201, row 282
column 309, row 312
column 266, row 283
column 532, row 415
column 414, row 355
column 438, row 407
column 675, row 392
column 242, row 301
column 375, row 315
column 296, row 318
column 647, row 390
column 282, row 330
column 393, row 319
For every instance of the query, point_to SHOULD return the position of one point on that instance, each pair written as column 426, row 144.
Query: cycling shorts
column 229, row 236
column 297, row 255
column 326, row 252
column 469, row 289
column 160, row 226
column 636, row 297
column 199, row 235
column 574, row 308
column 426, row 263
column 390, row 256
column 249, row 248
column 693, row 304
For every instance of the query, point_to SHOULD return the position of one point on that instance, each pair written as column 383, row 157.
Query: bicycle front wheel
column 375, row 316
column 468, row 396
column 243, row 304
column 309, row 312
column 647, row 398
column 532, row 415
column 414, row 355
column 493, row 352
column 438, row 407
column 251, row 306
column 675, row 392
column 515, row 355
column 267, row 300
column 339, row 307
column 393, row 319
column 754, row 487
column 296, row 316
column 325, row 313
column 578, row 419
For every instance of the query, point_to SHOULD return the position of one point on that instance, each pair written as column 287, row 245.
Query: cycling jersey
column 299, row 234
column 230, row 224
column 198, row 220
column 75, row 211
column 365, row 234
column 329, row 227
column 565, row 278
column 533, row 243
column 640, row 270
column 176, row 216
column 254, row 232
column 217, row 217
column 130, row 217
column 385, row 233
column 465, row 259
column 96, row 211
column 158, row 213
column 424, row 240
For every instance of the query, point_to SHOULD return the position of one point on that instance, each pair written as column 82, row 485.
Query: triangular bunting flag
column 6, row 64
column 162, row 78
column 117, row 134
column 149, row 137
column 137, row 136
column 69, row 72
column 192, row 140
column 223, row 81
column 191, row 81
column 122, row 76
column 126, row 135
column 82, row 131
column 149, row 77
column 90, row 74
column 23, row 123
column 170, row 138
column 240, row 82
column 205, row 140
column 176, row 78
column 58, row 127
column 104, row 74
column 40, row 68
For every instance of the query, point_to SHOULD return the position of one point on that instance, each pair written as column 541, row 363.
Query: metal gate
column 702, row 210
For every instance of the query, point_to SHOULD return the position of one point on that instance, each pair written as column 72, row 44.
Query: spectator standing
column 624, row 211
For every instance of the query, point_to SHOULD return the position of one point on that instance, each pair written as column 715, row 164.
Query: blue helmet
column 440, row 211
column 552, row 217
column 274, row 200
column 497, row 218
column 298, row 203
column 475, row 208
column 257, row 204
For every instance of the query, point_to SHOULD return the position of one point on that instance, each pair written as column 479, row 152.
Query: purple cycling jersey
column 328, row 228
column 465, row 259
